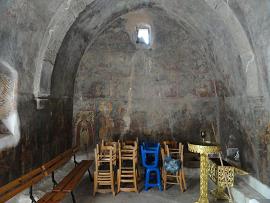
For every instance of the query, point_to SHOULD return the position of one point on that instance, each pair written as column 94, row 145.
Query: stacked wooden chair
column 105, row 160
column 175, row 153
column 131, row 144
column 127, row 172
column 114, row 145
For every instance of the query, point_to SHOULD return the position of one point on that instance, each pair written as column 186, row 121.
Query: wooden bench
column 67, row 185
column 28, row 180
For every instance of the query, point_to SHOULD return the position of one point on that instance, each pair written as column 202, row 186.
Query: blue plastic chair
column 150, row 157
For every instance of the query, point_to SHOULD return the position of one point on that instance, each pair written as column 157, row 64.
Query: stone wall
column 245, row 119
column 169, row 90
column 45, row 41
column 43, row 133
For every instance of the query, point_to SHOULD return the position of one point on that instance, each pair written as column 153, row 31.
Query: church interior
column 151, row 101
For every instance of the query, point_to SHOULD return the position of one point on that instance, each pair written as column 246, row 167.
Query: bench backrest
column 11, row 189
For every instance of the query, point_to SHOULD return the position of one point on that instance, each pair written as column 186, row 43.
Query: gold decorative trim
column 204, row 150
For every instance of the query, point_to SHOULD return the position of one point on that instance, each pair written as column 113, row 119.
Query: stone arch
column 240, row 38
column 59, row 25
column 67, row 13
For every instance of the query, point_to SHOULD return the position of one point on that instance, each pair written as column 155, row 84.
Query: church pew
column 68, row 184
column 28, row 180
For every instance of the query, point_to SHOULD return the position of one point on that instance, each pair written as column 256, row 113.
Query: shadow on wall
column 9, row 119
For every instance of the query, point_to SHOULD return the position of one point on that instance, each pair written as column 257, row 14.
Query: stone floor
column 84, row 191
column 172, row 195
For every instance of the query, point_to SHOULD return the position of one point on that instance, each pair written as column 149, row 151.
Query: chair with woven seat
column 176, row 154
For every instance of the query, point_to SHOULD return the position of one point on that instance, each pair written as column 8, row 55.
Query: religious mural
column 167, row 92
column 106, row 123
column 145, row 94
column 119, row 122
column 85, row 129
column 264, row 152
column 96, row 90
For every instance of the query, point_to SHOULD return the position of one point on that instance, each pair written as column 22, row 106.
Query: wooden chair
column 105, row 158
column 179, row 177
column 134, row 144
column 114, row 146
column 131, row 142
column 127, row 172
column 169, row 143
column 109, row 143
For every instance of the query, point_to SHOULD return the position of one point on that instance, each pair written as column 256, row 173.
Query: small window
column 143, row 36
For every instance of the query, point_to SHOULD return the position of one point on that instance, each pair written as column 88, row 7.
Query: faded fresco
column 84, row 129
column 245, row 128
column 171, row 90
column 264, row 152
column 165, row 92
